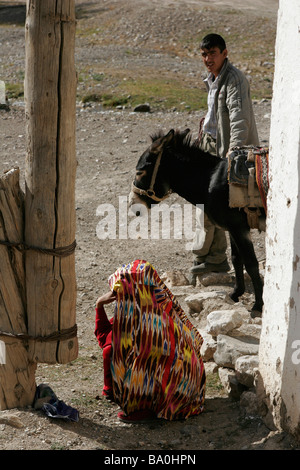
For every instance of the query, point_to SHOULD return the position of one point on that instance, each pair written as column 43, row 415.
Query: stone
column 195, row 301
column 251, row 330
column 142, row 108
column 11, row 420
column 230, row 383
column 223, row 321
column 175, row 278
column 245, row 369
column 214, row 279
column 2, row 92
column 208, row 347
column 211, row 367
column 3, row 103
column 252, row 405
column 230, row 348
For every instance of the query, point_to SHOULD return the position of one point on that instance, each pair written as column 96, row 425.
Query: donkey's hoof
column 234, row 296
column 256, row 313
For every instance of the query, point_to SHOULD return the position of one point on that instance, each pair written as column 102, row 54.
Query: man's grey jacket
column 234, row 112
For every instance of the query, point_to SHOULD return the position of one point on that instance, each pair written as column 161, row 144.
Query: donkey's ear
column 181, row 135
column 185, row 132
column 158, row 145
column 167, row 139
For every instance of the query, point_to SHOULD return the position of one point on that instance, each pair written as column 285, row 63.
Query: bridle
column 150, row 191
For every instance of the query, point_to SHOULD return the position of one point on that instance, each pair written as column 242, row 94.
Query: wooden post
column 50, row 100
column 17, row 374
column 37, row 229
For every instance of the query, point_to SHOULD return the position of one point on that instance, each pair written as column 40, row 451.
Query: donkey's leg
column 237, row 262
column 247, row 253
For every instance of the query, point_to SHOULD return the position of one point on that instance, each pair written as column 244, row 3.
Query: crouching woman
column 151, row 352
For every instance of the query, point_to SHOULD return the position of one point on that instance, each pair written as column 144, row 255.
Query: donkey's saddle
column 239, row 165
column 248, row 177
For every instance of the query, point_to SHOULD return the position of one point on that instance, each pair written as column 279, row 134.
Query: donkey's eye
column 140, row 173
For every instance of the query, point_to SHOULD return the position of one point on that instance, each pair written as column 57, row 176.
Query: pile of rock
column 230, row 336
column 230, row 340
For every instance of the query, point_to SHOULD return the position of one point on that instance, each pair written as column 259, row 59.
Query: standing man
column 229, row 122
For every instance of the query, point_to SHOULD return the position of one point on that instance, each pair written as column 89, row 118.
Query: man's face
column 213, row 59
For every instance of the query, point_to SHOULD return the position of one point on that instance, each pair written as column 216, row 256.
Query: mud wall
column 280, row 340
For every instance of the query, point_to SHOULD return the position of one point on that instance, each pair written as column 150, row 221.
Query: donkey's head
column 151, row 184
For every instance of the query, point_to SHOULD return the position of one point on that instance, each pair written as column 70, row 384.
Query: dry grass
column 167, row 83
column 151, row 55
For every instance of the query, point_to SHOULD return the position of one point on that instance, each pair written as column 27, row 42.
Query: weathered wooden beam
column 50, row 100
column 17, row 374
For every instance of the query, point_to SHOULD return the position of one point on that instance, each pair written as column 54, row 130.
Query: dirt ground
column 109, row 143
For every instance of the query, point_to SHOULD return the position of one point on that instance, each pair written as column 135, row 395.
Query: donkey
column 172, row 163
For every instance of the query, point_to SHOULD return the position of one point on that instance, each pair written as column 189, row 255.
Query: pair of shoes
column 210, row 267
column 137, row 417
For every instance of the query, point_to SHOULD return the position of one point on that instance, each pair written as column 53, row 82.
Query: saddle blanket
column 248, row 169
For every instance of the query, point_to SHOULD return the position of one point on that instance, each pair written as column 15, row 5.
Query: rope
column 150, row 192
column 56, row 336
column 60, row 252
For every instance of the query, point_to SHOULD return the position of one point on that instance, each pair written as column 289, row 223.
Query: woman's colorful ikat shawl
column 156, row 361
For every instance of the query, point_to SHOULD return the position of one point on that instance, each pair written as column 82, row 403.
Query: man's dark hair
column 213, row 40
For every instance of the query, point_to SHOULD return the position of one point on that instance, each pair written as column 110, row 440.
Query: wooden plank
column 17, row 375
column 12, row 277
column 50, row 98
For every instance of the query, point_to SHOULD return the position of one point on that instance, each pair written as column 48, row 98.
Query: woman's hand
column 105, row 299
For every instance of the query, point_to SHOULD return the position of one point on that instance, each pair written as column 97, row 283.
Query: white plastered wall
column 280, row 339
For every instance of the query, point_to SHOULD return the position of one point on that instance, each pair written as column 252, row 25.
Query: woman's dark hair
column 213, row 40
